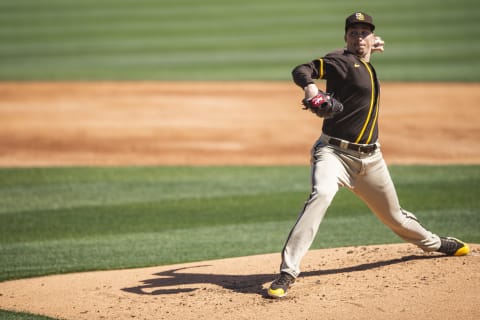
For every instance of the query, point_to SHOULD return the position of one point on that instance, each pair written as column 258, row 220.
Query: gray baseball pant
column 368, row 177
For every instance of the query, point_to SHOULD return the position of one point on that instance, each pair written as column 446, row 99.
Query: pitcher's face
column 359, row 39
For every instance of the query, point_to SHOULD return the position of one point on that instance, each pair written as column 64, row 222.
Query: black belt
column 363, row 148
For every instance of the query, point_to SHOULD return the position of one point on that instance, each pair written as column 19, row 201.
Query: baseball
column 378, row 44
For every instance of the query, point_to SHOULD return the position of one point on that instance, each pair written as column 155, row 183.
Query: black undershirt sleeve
column 305, row 74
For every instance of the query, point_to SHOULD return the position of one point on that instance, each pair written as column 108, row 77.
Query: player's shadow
column 176, row 281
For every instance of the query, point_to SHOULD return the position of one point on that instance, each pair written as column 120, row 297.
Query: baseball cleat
column 278, row 288
column 453, row 247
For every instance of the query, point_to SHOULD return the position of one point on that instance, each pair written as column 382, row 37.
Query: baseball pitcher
column 348, row 154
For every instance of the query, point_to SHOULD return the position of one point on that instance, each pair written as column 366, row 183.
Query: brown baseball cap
column 359, row 17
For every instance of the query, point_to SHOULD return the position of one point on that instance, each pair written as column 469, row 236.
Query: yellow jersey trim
column 322, row 72
column 372, row 99
column 373, row 125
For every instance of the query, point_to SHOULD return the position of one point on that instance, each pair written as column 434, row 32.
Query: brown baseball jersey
column 354, row 83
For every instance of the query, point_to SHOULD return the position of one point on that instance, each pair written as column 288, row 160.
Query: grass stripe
column 7, row 315
column 226, row 40
column 73, row 219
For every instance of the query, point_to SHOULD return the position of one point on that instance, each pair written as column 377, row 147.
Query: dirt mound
column 375, row 282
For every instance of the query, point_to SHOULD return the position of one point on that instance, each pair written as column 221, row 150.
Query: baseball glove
column 323, row 105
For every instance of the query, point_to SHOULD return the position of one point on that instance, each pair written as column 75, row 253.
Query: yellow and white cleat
column 278, row 288
column 453, row 247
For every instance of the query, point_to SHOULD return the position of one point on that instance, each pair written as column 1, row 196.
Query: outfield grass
column 56, row 220
column 434, row 40
column 6, row 315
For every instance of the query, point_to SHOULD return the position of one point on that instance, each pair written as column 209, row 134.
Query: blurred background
column 430, row 40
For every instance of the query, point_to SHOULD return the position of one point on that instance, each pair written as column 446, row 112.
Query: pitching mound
column 375, row 282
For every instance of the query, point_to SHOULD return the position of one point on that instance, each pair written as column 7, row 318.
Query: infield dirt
column 58, row 124
column 44, row 124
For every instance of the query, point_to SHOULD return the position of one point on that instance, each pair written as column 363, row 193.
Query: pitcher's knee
column 401, row 222
column 322, row 195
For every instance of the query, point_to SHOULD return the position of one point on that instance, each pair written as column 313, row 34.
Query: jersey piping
column 320, row 76
column 372, row 101
column 373, row 124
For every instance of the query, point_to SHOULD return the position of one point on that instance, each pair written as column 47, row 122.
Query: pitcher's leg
column 378, row 191
column 326, row 170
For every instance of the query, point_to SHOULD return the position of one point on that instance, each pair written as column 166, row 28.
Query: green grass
column 228, row 40
column 56, row 220
column 7, row 315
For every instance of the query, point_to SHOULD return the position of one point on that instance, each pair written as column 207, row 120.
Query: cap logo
column 359, row 16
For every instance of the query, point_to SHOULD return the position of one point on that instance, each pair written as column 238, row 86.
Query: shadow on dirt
column 174, row 281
